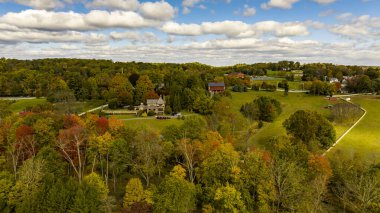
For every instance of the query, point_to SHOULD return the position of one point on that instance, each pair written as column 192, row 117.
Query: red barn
column 216, row 87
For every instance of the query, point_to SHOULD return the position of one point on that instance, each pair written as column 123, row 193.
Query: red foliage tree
column 102, row 125
column 72, row 143
column 25, row 143
column 320, row 165
column 151, row 95
column 72, row 120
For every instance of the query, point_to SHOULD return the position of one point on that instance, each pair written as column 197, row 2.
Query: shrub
column 151, row 113
column 168, row 110
column 113, row 104
column 260, row 124
column 256, row 87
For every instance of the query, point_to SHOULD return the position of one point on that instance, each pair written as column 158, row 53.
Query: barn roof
column 216, row 84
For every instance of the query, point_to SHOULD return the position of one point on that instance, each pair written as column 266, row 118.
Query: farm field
column 290, row 104
column 20, row 105
column 364, row 139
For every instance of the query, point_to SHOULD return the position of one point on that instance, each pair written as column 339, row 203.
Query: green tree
column 263, row 108
column 175, row 194
column 135, row 193
column 143, row 87
column 6, row 183
column 87, row 199
column 27, row 186
column 229, row 199
column 151, row 153
column 310, row 127
column 212, row 176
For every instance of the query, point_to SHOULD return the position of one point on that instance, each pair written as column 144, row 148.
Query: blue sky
column 216, row 32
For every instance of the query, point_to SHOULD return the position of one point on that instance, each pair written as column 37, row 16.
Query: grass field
column 78, row 107
column 364, row 139
column 20, row 105
column 154, row 123
column 290, row 104
column 293, row 85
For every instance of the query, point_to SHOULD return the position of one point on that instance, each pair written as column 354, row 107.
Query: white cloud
column 40, row 4
column 344, row 16
column 326, row 13
column 325, row 1
column 361, row 28
column 237, row 28
column 249, row 11
column 244, row 50
column 114, row 4
column 157, row 10
column 229, row 28
column 95, row 19
column 33, row 36
column 190, row 3
column 182, row 29
column 282, row 4
column 117, row 19
column 202, row 7
column 134, row 36
column 350, row 30
column 186, row 10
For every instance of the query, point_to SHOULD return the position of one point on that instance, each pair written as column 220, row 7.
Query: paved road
column 353, row 126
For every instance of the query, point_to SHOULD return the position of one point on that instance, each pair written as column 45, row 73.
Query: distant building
column 156, row 105
column 334, row 80
column 216, row 87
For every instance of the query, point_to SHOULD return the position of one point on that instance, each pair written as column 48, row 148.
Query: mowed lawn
column 364, row 139
column 290, row 104
column 138, row 122
column 21, row 105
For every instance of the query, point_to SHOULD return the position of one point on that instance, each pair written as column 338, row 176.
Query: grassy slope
column 364, row 139
column 290, row 104
column 20, row 105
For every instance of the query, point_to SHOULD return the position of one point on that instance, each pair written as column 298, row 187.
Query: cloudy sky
column 216, row 32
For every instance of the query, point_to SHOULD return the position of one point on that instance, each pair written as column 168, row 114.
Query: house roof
column 160, row 101
column 216, row 84
column 155, row 101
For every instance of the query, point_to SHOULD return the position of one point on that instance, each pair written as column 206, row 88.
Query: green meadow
column 364, row 139
column 290, row 104
column 21, row 105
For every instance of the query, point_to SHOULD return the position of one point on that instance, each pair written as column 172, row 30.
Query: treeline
column 85, row 79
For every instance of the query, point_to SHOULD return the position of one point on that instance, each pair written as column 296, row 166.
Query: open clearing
column 78, row 107
column 364, row 139
column 290, row 104
column 20, row 105
column 152, row 122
